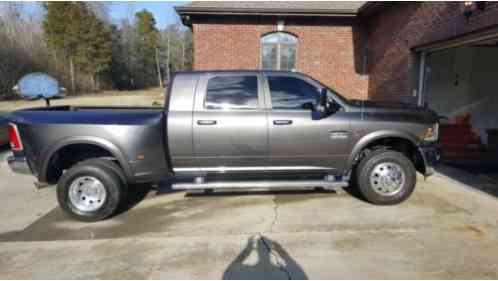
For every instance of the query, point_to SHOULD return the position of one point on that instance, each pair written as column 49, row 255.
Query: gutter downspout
column 421, row 78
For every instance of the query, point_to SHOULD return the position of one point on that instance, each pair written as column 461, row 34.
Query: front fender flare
column 377, row 135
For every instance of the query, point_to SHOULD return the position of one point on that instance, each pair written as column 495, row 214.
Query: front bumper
column 431, row 155
column 19, row 165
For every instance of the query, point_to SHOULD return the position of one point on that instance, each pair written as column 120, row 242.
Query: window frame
column 201, row 92
column 279, row 47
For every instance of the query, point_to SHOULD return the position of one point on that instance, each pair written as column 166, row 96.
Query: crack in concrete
column 267, row 246
column 275, row 214
column 281, row 267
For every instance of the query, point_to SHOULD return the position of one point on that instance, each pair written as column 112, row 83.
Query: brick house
column 443, row 54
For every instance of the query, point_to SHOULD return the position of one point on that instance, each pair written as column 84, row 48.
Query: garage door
column 460, row 82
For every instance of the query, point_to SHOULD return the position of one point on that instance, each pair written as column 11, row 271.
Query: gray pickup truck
column 226, row 130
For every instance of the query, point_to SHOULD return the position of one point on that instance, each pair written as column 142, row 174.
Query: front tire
column 90, row 192
column 386, row 177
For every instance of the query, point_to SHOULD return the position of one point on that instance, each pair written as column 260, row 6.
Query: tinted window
column 232, row 92
column 291, row 93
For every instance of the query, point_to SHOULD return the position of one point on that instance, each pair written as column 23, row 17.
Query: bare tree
column 24, row 49
column 168, row 60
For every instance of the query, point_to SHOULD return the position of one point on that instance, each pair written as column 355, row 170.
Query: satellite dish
column 37, row 86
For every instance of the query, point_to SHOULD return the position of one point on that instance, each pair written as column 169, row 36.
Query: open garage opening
column 460, row 82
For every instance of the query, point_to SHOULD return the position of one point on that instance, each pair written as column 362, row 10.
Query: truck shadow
column 135, row 194
column 154, row 210
column 140, row 192
column 353, row 191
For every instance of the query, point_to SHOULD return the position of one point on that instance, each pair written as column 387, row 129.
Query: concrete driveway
column 442, row 231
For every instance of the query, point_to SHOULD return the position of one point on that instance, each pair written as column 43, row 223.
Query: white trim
column 456, row 42
column 440, row 46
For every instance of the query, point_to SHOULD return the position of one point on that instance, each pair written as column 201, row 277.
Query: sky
column 163, row 11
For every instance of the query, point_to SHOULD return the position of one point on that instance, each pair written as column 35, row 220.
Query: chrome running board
column 287, row 184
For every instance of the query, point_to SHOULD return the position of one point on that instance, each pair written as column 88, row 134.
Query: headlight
column 431, row 133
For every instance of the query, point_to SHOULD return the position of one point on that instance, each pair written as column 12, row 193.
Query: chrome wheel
column 87, row 194
column 387, row 179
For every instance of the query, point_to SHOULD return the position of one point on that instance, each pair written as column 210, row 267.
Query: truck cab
column 248, row 122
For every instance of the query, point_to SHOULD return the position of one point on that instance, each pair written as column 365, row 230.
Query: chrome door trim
column 251, row 169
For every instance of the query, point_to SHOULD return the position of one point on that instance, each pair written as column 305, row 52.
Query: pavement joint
column 466, row 180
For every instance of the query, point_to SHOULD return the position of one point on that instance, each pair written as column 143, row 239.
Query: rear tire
column 107, row 164
column 117, row 170
column 386, row 177
column 90, row 191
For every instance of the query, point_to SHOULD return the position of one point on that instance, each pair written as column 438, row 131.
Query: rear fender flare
column 102, row 143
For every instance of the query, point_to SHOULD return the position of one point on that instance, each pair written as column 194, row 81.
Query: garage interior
column 461, row 84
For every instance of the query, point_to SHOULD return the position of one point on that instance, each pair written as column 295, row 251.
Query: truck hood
column 387, row 107
column 384, row 104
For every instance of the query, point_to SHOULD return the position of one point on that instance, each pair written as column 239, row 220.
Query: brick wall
column 331, row 51
column 394, row 31
column 334, row 50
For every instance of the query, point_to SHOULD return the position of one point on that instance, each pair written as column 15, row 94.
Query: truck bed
column 79, row 108
column 135, row 136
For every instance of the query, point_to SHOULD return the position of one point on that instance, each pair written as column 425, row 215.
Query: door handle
column 282, row 122
column 206, row 122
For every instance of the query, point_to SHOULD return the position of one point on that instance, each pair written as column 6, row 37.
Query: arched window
column 278, row 51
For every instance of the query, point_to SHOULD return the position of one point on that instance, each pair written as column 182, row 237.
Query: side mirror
column 320, row 110
column 308, row 106
column 323, row 107
column 322, row 98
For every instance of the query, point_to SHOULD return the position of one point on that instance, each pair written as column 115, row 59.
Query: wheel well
column 70, row 155
column 404, row 146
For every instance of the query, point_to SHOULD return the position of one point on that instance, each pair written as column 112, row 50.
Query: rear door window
column 232, row 92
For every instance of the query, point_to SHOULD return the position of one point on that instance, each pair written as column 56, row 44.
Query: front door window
column 291, row 93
